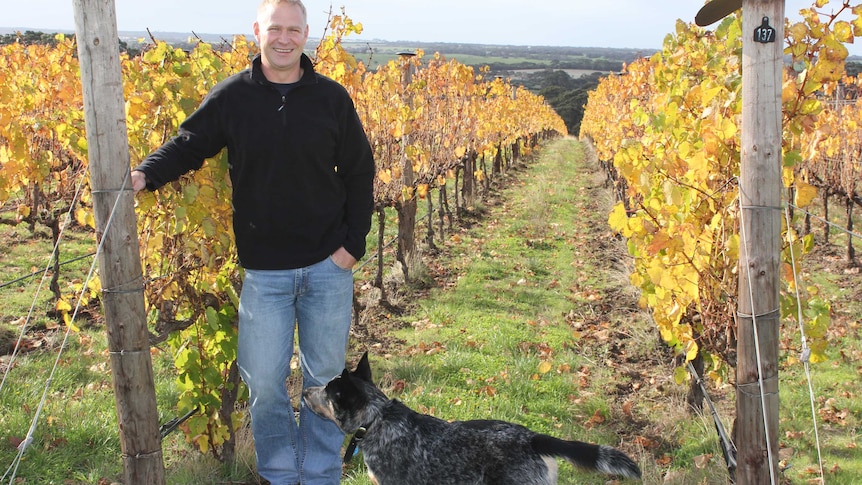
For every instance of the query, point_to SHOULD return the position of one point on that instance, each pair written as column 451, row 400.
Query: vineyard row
column 668, row 133
column 436, row 127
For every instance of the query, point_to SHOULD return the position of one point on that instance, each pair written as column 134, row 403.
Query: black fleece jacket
column 301, row 167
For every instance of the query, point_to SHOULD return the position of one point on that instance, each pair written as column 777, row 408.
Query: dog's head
column 348, row 399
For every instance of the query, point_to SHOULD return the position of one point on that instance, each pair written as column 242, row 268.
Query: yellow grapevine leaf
column 805, row 193
column 407, row 193
column 857, row 25
column 728, row 129
column 85, row 218
column 63, row 305
column 422, row 191
column 680, row 374
column 67, row 319
column 385, row 176
column 545, row 367
column 732, row 247
column 691, row 350
column 619, row 220
column 843, row 31
column 789, row 275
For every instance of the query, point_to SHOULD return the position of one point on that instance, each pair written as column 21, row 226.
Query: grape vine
column 447, row 111
column 668, row 128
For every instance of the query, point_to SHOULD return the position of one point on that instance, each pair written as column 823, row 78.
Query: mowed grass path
column 538, row 325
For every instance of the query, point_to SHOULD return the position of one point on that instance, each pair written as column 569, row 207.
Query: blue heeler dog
column 403, row 447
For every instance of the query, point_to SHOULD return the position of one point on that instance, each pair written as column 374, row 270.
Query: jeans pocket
column 342, row 268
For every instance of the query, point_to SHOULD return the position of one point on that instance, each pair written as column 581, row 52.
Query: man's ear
column 363, row 368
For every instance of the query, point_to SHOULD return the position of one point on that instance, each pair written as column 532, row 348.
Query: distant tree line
column 581, row 63
column 566, row 94
column 30, row 37
column 539, row 53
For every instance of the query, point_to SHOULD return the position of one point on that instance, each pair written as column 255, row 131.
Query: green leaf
column 213, row 318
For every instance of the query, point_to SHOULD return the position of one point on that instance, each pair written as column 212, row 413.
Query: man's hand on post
column 139, row 181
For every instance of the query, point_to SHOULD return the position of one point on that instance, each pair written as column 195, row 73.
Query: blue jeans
column 318, row 301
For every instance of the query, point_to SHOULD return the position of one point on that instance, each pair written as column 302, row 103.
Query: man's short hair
column 274, row 3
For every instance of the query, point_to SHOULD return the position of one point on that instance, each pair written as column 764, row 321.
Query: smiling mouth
column 282, row 51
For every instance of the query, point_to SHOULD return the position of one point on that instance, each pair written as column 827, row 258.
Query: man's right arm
column 199, row 138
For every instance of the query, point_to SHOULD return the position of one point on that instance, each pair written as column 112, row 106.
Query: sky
column 639, row 24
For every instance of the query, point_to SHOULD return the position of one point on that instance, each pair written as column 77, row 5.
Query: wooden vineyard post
column 758, row 312
column 758, row 309
column 119, row 258
column 760, row 229
column 407, row 205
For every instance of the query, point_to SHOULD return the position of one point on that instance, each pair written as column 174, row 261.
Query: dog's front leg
column 372, row 478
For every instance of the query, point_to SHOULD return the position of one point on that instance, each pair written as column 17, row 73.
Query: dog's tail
column 595, row 457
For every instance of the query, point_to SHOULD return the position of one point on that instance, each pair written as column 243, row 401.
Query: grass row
column 540, row 327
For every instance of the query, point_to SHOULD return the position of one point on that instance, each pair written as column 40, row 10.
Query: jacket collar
column 308, row 74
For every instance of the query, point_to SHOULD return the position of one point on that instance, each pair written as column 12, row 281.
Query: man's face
column 281, row 31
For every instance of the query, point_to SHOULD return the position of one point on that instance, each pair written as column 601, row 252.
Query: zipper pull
column 283, row 102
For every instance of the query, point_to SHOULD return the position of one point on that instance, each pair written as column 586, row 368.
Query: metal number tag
column 764, row 34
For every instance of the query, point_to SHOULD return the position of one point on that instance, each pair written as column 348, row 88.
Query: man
column 301, row 170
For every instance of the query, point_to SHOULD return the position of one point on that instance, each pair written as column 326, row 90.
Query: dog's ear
column 363, row 368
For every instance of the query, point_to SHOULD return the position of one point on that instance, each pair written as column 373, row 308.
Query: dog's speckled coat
column 403, row 447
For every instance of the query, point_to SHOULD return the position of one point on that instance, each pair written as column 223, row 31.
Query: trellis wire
column 806, row 351
column 54, row 253
column 22, row 447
